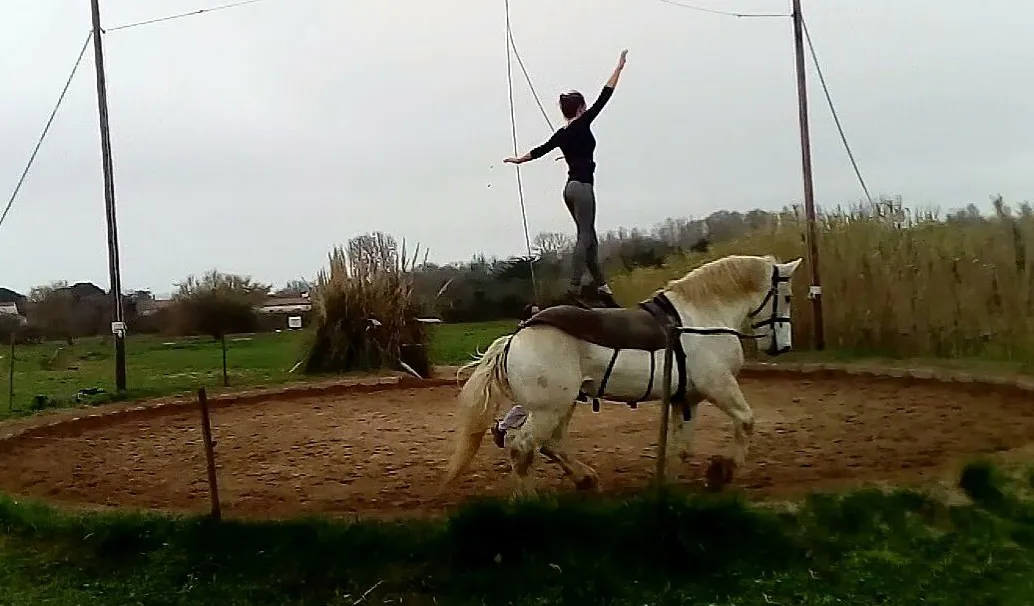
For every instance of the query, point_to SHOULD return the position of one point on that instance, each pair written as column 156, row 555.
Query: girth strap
column 662, row 309
column 603, row 382
column 649, row 384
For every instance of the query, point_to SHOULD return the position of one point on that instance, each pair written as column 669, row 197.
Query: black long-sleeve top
column 577, row 142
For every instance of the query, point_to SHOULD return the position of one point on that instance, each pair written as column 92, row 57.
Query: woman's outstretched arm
column 537, row 152
column 608, row 90
column 612, row 82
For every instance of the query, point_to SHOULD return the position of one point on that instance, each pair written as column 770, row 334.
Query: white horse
column 545, row 369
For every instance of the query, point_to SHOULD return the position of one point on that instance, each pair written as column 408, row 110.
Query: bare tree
column 295, row 288
column 553, row 244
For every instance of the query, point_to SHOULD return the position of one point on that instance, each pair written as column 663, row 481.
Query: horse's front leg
column 725, row 393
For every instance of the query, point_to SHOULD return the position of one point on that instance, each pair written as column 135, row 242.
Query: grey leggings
column 581, row 203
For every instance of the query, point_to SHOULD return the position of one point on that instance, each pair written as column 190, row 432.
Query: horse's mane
column 724, row 279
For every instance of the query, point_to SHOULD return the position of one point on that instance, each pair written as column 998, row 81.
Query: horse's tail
column 478, row 402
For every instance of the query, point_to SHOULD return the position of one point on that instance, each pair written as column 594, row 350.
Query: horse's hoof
column 719, row 472
column 587, row 483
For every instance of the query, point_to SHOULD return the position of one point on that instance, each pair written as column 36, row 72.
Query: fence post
column 226, row 378
column 662, row 441
column 206, row 434
column 10, row 377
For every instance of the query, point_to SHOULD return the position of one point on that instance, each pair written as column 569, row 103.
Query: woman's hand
column 621, row 60
column 513, row 160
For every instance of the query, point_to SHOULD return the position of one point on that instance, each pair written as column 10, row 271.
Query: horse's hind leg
column 585, row 477
column 545, row 384
column 535, row 432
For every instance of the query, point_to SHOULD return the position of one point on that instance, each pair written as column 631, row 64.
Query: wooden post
column 10, row 376
column 226, row 378
column 206, row 434
column 815, row 291
column 662, row 441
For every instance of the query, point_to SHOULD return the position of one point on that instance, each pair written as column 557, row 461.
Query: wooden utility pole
column 118, row 325
column 815, row 291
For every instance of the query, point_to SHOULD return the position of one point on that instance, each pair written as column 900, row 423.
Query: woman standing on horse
column 576, row 141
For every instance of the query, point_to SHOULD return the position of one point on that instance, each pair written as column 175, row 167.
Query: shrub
column 24, row 334
column 9, row 325
column 218, row 304
column 51, row 309
column 365, row 309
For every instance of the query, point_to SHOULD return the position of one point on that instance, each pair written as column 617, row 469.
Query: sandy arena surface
column 382, row 453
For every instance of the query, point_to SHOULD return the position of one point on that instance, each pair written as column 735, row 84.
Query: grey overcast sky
column 254, row 139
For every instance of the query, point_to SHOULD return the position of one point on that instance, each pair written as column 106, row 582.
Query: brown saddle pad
column 622, row 328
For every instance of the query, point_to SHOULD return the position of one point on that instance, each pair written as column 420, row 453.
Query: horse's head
column 771, row 316
column 741, row 287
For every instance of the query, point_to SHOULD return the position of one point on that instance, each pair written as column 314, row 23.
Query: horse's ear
column 787, row 269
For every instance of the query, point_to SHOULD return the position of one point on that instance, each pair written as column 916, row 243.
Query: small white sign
column 118, row 328
column 294, row 322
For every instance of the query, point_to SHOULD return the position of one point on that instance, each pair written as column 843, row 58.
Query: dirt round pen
column 378, row 447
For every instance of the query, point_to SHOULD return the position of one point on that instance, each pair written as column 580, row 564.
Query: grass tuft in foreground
column 867, row 547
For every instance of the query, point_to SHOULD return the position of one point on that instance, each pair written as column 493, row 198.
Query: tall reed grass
column 366, row 309
column 906, row 283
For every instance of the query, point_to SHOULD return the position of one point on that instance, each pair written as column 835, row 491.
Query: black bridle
column 771, row 298
column 774, row 318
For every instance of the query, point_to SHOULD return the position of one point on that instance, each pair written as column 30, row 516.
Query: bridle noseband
column 774, row 318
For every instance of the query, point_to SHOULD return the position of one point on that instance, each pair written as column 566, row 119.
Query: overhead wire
column 833, row 110
column 718, row 11
column 46, row 129
column 193, row 13
column 513, row 132
column 527, row 78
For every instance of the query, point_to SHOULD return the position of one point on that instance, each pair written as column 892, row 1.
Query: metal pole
column 114, row 268
column 10, row 377
column 815, row 292
column 226, row 377
column 662, row 440
column 206, row 435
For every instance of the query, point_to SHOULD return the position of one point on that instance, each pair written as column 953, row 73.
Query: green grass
column 159, row 366
column 453, row 344
column 867, row 547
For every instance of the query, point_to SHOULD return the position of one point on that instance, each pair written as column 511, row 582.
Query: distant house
column 285, row 305
column 11, row 309
column 81, row 291
column 272, row 305
column 147, row 307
